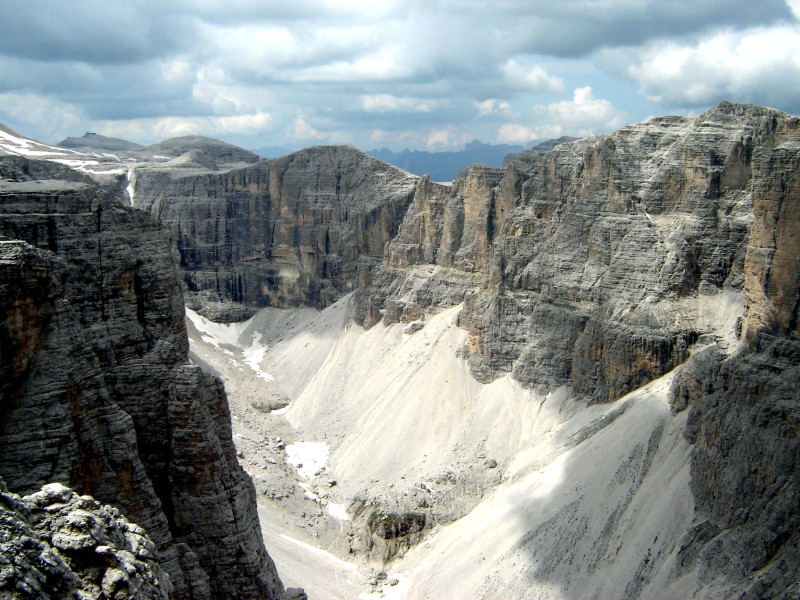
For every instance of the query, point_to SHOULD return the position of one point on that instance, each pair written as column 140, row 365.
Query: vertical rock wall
column 95, row 384
column 745, row 415
column 296, row 231
column 592, row 255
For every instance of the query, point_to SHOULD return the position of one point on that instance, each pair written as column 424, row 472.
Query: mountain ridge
column 630, row 296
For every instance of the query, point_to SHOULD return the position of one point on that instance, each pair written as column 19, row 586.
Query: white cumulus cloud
column 758, row 65
column 532, row 79
column 585, row 114
column 446, row 138
column 41, row 117
column 160, row 128
column 303, row 131
column 488, row 107
column 380, row 103
column 514, row 133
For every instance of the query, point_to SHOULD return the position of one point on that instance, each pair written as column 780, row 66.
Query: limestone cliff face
column 96, row 390
column 745, row 417
column 298, row 230
column 744, row 425
column 593, row 256
column 772, row 269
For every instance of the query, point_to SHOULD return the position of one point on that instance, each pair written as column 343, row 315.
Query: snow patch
column 337, row 511
column 230, row 334
column 218, row 334
column 309, row 458
column 129, row 188
column 255, row 354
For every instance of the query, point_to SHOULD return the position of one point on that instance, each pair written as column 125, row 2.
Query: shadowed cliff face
column 96, row 390
column 296, row 231
column 745, row 417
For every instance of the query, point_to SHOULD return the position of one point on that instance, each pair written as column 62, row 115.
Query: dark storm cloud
column 577, row 28
column 91, row 31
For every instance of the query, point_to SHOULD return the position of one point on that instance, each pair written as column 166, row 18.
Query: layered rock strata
column 301, row 230
column 97, row 393
column 586, row 265
column 595, row 256
column 745, row 415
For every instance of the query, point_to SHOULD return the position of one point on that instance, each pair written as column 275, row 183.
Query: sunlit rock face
column 595, row 258
column 582, row 265
column 96, row 390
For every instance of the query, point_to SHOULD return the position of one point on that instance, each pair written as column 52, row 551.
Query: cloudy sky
column 422, row 74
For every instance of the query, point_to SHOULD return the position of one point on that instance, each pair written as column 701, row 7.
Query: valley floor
column 523, row 495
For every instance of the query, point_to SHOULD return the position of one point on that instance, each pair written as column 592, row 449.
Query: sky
column 425, row 75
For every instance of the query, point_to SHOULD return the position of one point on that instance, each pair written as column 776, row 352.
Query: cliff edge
column 96, row 392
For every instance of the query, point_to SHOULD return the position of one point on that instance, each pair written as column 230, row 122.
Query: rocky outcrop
column 745, row 424
column 595, row 256
column 301, row 230
column 197, row 153
column 97, row 393
column 56, row 544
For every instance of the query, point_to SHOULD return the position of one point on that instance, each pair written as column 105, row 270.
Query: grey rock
column 574, row 266
column 56, row 544
column 582, row 252
column 96, row 392
column 93, row 141
column 303, row 229
column 745, row 472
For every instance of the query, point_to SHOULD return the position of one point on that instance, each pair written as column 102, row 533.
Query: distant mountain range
column 441, row 166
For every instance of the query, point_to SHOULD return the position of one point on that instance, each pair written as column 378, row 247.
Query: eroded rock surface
column 56, row 544
column 745, row 415
column 594, row 256
column 594, row 268
column 300, row 230
column 97, row 393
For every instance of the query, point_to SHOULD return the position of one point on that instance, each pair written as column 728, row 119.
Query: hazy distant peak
column 444, row 166
column 200, row 151
column 95, row 141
